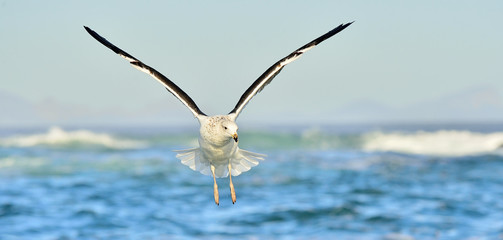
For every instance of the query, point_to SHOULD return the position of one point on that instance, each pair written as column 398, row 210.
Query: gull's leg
column 215, row 186
column 233, row 193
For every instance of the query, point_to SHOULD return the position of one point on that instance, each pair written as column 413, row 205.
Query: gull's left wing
column 170, row 86
column 270, row 73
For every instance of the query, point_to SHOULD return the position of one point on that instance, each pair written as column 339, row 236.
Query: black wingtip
column 328, row 35
column 349, row 23
column 342, row 26
column 90, row 31
column 107, row 44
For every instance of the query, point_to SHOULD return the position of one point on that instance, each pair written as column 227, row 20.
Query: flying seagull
column 218, row 153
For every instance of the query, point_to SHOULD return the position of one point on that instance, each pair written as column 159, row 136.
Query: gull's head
column 230, row 128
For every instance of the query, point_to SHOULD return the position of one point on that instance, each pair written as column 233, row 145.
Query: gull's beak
column 235, row 137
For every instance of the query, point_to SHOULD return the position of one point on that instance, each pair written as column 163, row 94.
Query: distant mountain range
column 16, row 111
column 482, row 104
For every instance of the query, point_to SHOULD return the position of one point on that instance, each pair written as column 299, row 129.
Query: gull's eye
column 225, row 128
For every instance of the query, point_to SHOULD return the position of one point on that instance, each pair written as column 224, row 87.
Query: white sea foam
column 57, row 136
column 442, row 143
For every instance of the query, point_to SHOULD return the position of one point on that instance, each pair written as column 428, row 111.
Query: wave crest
column 56, row 136
column 443, row 142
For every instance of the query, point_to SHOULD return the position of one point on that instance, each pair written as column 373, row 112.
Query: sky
column 397, row 54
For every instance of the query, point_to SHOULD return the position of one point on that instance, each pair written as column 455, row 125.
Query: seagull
column 218, row 153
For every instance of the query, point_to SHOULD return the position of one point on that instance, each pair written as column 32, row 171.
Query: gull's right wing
column 170, row 86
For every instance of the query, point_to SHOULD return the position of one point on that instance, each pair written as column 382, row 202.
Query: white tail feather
column 244, row 161
column 241, row 162
column 192, row 157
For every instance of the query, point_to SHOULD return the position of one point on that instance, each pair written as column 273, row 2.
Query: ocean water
column 344, row 182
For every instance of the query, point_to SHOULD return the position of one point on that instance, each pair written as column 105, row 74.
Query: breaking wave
column 438, row 143
column 56, row 136
column 442, row 142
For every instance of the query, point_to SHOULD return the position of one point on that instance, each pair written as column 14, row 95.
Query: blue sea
column 323, row 182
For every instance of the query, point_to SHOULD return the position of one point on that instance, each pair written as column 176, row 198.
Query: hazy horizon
column 480, row 105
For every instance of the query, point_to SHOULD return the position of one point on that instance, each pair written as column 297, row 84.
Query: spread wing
column 272, row 71
column 170, row 86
